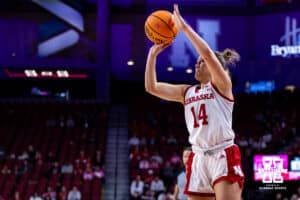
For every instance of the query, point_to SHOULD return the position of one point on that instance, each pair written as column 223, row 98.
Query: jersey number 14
column 202, row 116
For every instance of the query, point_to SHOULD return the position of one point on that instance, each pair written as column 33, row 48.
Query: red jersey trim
column 218, row 91
column 185, row 93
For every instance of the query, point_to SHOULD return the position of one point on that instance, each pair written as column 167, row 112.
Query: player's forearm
column 150, row 73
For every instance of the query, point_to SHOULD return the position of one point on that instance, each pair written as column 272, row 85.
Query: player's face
column 201, row 71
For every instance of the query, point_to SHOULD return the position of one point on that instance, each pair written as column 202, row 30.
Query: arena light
column 189, row 70
column 170, row 69
column 53, row 74
column 46, row 73
column 130, row 62
column 62, row 73
column 30, row 73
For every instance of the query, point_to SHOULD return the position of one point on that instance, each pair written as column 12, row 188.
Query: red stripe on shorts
column 233, row 157
column 188, row 172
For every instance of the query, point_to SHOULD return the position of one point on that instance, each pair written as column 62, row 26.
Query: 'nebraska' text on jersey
column 208, row 116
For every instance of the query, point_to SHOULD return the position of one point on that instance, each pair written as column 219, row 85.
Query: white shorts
column 203, row 170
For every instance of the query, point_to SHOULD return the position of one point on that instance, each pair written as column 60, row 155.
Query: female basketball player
column 214, row 166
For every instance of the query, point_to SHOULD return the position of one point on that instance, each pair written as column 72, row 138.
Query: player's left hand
column 178, row 20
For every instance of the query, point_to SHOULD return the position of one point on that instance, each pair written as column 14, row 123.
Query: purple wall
column 21, row 35
column 17, row 36
column 251, row 36
column 127, row 3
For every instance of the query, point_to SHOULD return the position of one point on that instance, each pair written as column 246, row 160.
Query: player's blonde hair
column 228, row 57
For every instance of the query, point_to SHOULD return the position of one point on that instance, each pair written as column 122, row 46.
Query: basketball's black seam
column 156, row 31
column 164, row 23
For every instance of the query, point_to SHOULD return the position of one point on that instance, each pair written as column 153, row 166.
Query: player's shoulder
column 188, row 88
column 220, row 94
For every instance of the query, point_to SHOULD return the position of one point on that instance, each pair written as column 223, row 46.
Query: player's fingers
column 176, row 8
column 174, row 16
column 175, row 20
column 165, row 45
column 155, row 47
column 159, row 47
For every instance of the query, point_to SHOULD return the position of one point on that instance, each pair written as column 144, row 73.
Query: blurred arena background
column 75, row 119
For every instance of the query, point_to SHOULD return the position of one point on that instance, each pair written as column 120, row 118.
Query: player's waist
column 214, row 149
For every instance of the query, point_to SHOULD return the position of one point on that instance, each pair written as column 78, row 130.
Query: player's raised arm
column 218, row 75
column 165, row 91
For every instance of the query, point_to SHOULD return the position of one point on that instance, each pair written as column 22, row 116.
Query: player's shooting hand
column 157, row 48
column 178, row 20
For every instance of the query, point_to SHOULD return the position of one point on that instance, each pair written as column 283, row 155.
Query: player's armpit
column 170, row 92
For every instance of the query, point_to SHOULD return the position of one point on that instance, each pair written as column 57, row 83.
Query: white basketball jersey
column 208, row 116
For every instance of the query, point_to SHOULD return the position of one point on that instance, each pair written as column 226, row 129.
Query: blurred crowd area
column 56, row 150
column 52, row 150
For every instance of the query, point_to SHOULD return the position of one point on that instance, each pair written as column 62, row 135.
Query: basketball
column 160, row 27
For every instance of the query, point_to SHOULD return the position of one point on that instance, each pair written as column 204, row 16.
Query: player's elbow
column 151, row 89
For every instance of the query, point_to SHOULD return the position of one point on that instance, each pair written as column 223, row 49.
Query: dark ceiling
column 248, row 7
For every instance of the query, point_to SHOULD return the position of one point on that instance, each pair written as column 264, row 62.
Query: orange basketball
column 159, row 27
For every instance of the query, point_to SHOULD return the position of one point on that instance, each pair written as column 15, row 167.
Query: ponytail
column 228, row 57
